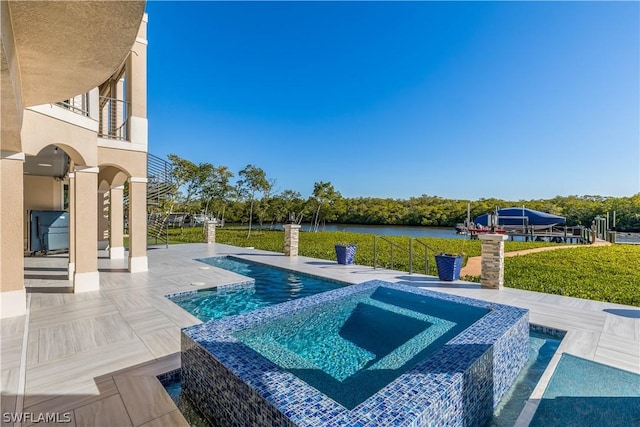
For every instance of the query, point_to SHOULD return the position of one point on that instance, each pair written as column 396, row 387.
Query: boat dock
column 570, row 235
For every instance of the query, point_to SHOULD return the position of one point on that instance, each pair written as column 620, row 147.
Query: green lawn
column 600, row 273
column 604, row 273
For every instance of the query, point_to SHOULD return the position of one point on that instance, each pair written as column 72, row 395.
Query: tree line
column 253, row 197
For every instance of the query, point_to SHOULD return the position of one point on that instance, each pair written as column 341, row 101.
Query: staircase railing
column 157, row 229
column 392, row 244
column 159, row 186
column 409, row 250
column 160, row 180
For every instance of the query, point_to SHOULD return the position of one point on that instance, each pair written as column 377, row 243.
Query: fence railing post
column 375, row 253
column 410, row 256
column 426, row 260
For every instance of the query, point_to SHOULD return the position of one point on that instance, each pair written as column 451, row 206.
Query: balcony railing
column 114, row 118
column 78, row 104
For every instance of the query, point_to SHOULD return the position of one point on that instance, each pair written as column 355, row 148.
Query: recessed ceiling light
column 45, row 165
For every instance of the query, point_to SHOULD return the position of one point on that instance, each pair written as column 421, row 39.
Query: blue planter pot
column 449, row 266
column 345, row 254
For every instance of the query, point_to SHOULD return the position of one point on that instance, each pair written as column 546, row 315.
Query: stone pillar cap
column 493, row 237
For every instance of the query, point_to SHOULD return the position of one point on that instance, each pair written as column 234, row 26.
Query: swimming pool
column 271, row 286
column 228, row 373
column 585, row 393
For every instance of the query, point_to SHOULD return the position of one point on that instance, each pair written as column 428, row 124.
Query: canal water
column 417, row 231
column 392, row 230
column 381, row 230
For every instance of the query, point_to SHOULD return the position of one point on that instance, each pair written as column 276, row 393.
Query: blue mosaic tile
column 170, row 377
column 243, row 284
column 460, row 384
column 546, row 330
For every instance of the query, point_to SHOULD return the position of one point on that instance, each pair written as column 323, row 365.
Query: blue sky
column 460, row 100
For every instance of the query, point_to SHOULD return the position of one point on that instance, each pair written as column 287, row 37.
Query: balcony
column 114, row 119
column 78, row 104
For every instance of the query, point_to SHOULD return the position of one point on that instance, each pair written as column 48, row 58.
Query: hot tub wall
column 511, row 352
column 223, row 398
column 459, row 386
column 484, row 374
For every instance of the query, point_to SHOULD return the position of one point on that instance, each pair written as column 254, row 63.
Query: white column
column 13, row 299
column 72, row 229
column 103, row 224
column 138, row 225
column 116, row 223
column 86, row 277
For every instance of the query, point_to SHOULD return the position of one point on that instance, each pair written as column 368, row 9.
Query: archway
column 46, row 218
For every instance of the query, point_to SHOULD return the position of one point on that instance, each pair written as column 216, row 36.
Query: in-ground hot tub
column 377, row 353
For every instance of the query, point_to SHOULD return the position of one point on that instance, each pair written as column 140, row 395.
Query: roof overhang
column 64, row 48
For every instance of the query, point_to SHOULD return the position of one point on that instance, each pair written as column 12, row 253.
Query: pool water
column 542, row 347
column 351, row 348
column 187, row 409
column 585, row 393
column 272, row 286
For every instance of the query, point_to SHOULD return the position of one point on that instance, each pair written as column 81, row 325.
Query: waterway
column 393, row 230
column 417, row 231
column 380, row 230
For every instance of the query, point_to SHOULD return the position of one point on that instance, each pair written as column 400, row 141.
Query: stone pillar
column 13, row 299
column 86, row 277
column 116, row 223
column 211, row 231
column 492, row 261
column 291, row 237
column 138, row 225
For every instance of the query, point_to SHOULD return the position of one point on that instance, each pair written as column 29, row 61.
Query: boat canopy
column 522, row 216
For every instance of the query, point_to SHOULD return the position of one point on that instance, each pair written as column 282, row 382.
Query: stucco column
column 136, row 87
column 211, row 231
column 86, row 277
column 137, row 224
column 492, row 261
column 72, row 228
column 291, row 237
column 13, row 299
column 103, row 224
column 116, row 223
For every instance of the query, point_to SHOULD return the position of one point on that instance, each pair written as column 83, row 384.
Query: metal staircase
column 159, row 188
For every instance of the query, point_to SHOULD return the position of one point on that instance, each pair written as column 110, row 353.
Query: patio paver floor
column 95, row 355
